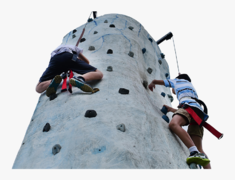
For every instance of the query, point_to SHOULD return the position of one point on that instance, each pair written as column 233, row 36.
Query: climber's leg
column 198, row 142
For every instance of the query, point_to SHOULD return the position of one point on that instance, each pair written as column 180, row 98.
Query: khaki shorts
column 192, row 129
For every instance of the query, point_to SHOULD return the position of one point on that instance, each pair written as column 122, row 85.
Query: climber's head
column 184, row 76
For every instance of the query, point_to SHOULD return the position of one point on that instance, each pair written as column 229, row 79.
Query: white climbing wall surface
column 128, row 130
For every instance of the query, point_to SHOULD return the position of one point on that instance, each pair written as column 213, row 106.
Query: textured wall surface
column 96, row 142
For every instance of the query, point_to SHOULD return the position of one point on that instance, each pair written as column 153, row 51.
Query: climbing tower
column 119, row 127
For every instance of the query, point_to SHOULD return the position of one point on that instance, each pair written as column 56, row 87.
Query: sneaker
column 54, row 85
column 198, row 158
column 79, row 83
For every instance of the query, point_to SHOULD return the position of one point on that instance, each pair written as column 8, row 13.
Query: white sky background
column 204, row 38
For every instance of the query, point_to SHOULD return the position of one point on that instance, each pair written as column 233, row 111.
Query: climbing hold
column 130, row 27
column 145, row 84
column 131, row 54
column 91, row 48
column 193, row 166
column 90, row 113
column 63, row 75
column 46, row 128
column 74, row 35
column 110, row 68
column 160, row 61
column 143, row 50
column 112, row 26
column 95, row 32
column 123, row 91
column 149, row 70
column 82, row 40
column 106, row 21
column 164, row 110
column 163, row 94
column 110, row 51
column 74, row 31
column 167, row 75
column 170, row 97
column 165, row 118
column 150, row 40
column 90, row 20
column 121, row 127
column 53, row 96
column 56, row 149
column 162, row 55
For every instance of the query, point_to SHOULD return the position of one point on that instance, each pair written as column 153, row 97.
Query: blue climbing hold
column 162, row 55
column 167, row 76
column 143, row 50
column 164, row 110
column 163, row 94
column 166, row 118
column 150, row 40
column 90, row 20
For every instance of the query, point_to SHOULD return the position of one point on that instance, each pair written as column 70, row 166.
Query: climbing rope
column 85, row 28
column 176, row 55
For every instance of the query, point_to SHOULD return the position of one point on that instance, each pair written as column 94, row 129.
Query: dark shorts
column 193, row 129
column 62, row 63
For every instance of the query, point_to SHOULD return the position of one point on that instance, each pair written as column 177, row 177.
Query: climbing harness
column 198, row 120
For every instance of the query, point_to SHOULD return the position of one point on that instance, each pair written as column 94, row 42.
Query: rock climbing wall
column 122, row 125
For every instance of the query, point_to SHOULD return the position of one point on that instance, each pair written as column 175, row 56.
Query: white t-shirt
column 66, row 48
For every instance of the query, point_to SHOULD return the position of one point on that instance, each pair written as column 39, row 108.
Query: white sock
column 193, row 148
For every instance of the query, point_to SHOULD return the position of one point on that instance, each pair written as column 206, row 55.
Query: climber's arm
column 83, row 58
column 170, row 109
column 154, row 82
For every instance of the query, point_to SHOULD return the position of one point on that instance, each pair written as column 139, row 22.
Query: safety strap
column 200, row 122
column 64, row 85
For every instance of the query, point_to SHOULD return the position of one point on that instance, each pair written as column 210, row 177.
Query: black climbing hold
column 170, row 97
column 160, row 61
column 23, row 144
column 162, row 55
column 56, row 149
column 165, row 118
column 130, row 27
column 163, row 94
column 63, row 75
column 82, row 40
column 90, row 20
column 143, row 50
column 90, row 113
column 166, row 75
column 110, row 68
column 95, row 32
column 121, row 127
column 131, row 54
column 53, row 96
column 91, row 48
column 74, row 35
column 145, row 84
column 46, row 128
column 150, row 40
column 106, row 21
column 74, row 30
column 112, row 26
column 123, row 91
column 110, row 51
column 164, row 110
column 149, row 70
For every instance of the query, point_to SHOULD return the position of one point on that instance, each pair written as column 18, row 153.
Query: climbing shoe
column 198, row 158
column 54, row 85
column 78, row 82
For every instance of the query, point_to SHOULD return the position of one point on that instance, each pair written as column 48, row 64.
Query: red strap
column 80, row 37
column 70, row 86
column 203, row 123
column 64, row 85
